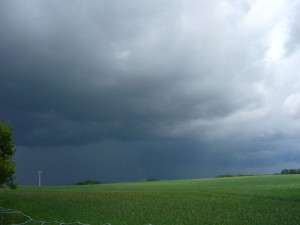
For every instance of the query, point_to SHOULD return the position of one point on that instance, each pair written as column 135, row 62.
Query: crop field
column 253, row 200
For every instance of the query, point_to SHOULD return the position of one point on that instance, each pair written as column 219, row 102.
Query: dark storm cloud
column 124, row 70
column 119, row 161
column 176, row 75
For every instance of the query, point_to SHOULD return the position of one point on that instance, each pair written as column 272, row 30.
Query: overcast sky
column 119, row 90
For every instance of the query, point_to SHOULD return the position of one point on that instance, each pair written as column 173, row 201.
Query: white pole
column 40, row 177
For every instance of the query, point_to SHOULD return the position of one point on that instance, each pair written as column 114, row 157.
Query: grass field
column 253, row 200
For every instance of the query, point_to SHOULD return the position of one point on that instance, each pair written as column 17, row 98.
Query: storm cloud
column 127, row 90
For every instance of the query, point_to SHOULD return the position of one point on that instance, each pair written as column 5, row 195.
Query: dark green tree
column 7, row 151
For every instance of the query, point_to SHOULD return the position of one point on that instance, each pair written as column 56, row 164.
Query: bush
column 151, row 179
column 224, row 175
column 236, row 175
column 88, row 182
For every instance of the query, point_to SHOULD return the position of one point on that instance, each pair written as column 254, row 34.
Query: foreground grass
column 255, row 200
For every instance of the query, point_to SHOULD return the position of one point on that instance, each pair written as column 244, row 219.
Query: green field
column 255, row 200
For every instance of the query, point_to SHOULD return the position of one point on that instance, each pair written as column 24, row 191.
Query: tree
column 7, row 150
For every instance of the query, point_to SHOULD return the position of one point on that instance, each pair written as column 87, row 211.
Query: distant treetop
column 89, row 182
column 290, row 171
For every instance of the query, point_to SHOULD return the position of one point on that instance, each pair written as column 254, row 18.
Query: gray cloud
column 74, row 75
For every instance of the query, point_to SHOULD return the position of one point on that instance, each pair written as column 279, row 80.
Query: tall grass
column 251, row 200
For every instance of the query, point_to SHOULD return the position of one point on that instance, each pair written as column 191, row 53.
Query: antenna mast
column 40, row 177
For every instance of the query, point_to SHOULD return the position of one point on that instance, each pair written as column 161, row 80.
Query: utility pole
column 40, row 177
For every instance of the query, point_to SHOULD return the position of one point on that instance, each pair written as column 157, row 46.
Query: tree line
column 290, row 171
